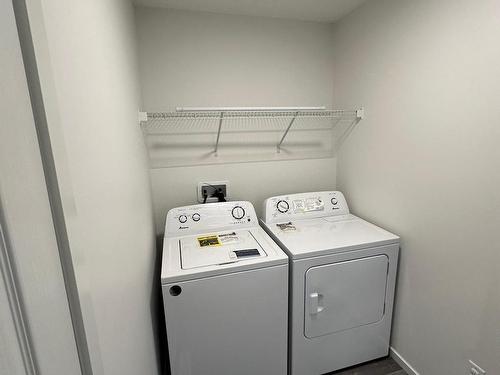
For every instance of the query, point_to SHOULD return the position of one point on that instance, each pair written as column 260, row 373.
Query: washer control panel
column 202, row 218
column 304, row 205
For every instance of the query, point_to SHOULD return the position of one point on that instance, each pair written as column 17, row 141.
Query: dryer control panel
column 304, row 205
column 203, row 218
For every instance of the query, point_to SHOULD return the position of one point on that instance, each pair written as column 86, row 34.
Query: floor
column 384, row 366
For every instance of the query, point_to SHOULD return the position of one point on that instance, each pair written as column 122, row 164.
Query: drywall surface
column 30, row 269
column 205, row 59
column 312, row 10
column 190, row 59
column 425, row 163
column 252, row 182
column 86, row 56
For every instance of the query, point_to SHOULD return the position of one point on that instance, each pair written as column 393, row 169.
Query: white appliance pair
column 233, row 306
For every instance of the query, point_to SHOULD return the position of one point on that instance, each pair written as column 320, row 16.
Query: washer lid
column 219, row 248
column 210, row 261
column 328, row 235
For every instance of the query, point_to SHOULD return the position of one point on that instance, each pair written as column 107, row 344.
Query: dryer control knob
column 335, row 201
column 195, row 217
column 282, row 206
column 183, row 218
column 238, row 212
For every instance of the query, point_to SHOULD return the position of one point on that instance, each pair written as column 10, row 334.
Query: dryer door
column 345, row 295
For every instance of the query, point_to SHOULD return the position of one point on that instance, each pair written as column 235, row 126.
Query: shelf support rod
column 218, row 133
column 278, row 146
column 248, row 109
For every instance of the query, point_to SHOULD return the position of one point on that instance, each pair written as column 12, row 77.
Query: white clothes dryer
column 342, row 281
column 225, row 292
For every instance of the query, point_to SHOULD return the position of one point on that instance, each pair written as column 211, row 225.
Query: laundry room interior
column 244, row 187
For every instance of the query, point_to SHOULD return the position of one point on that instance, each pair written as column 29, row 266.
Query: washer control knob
column 183, row 218
column 335, row 201
column 282, row 206
column 195, row 217
column 238, row 212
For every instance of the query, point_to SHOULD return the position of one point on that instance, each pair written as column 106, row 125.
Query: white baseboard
column 402, row 362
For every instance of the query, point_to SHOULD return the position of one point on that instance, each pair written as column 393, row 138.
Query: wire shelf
column 242, row 121
column 197, row 122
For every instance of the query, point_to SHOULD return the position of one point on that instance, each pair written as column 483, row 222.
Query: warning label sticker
column 218, row 239
column 209, row 241
column 228, row 238
column 287, row 227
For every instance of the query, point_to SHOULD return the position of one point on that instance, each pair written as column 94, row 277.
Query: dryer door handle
column 315, row 301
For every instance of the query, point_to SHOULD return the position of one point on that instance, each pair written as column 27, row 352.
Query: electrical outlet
column 210, row 187
column 475, row 369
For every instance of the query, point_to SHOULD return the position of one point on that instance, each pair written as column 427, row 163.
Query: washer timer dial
column 238, row 212
column 282, row 206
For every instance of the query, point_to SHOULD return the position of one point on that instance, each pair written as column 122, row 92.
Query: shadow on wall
column 158, row 313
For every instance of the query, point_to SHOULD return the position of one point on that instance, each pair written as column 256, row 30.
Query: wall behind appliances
column 205, row 59
column 426, row 165
column 253, row 182
column 86, row 56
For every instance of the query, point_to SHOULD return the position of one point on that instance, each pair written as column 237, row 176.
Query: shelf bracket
column 218, row 133
column 278, row 146
column 142, row 116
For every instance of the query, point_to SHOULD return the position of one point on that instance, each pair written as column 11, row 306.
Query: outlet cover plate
column 213, row 183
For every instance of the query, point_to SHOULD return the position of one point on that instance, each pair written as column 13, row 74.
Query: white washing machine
column 225, row 292
column 342, row 280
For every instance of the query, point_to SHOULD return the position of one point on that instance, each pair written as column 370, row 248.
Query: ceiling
column 306, row 10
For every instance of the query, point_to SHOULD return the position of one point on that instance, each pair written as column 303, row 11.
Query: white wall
column 253, row 182
column 32, row 289
column 87, row 60
column 205, row 59
column 426, row 164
